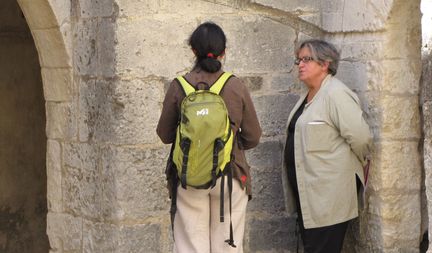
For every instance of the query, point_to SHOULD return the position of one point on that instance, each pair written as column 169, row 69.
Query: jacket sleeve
column 347, row 116
column 250, row 129
column 167, row 125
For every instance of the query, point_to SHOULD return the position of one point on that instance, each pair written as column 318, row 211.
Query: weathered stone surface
column 52, row 48
column 43, row 8
column 82, row 193
column 92, row 9
column 54, row 177
column 399, row 209
column 401, row 172
column 267, row 191
column 139, row 238
column 287, row 82
column 271, row 235
column 133, row 183
column 251, row 48
column 57, row 84
column 99, row 237
column 400, row 117
column 123, row 112
column 401, row 82
column 130, row 9
column 61, row 123
column 164, row 49
column 254, row 83
column 427, row 119
column 353, row 75
column 94, row 54
column 65, row 232
column 273, row 111
column 268, row 154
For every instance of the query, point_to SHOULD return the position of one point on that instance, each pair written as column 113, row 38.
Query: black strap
column 222, row 197
column 218, row 146
column 185, row 146
column 171, row 174
column 230, row 241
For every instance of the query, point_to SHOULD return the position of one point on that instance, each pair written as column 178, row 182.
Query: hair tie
column 210, row 55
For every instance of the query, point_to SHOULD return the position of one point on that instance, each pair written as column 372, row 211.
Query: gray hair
column 322, row 51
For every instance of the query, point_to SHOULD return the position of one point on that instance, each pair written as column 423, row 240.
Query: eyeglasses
column 304, row 59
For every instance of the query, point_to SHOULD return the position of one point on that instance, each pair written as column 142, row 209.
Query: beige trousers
column 197, row 226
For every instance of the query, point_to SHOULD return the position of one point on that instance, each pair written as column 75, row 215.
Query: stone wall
column 106, row 66
column 23, row 202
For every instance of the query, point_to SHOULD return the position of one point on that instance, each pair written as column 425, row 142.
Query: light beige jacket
column 331, row 142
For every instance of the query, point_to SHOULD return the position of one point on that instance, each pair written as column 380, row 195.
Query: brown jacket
column 240, row 109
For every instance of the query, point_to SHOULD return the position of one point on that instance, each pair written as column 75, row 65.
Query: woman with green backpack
column 209, row 118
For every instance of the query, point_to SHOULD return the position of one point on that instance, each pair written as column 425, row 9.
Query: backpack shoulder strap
column 219, row 84
column 187, row 87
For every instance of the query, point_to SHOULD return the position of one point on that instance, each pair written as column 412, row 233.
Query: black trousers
column 327, row 239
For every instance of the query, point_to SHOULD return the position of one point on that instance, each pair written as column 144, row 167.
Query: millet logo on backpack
column 203, row 112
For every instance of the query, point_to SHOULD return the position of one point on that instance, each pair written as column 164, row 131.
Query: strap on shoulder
column 219, row 84
column 187, row 87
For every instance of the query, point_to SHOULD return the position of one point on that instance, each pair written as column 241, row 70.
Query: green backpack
column 204, row 137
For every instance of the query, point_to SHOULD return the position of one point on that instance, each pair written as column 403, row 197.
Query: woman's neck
column 314, row 87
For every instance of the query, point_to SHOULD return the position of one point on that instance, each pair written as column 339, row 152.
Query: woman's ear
column 325, row 65
column 194, row 51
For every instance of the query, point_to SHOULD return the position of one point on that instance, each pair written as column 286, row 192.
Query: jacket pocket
column 318, row 136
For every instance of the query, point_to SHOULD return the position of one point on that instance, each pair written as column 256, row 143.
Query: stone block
column 287, row 82
column 426, row 79
column 99, row 237
column 273, row 112
column 363, row 16
column 121, row 112
column 94, row 53
column 401, row 82
column 64, row 232
column 94, row 9
column 400, row 117
column 396, row 208
column 133, row 183
column 275, row 234
column 106, row 41
column 268, row 154
column 44, row 18
column 295, row 6
column 252, row 49
column 395, row 173
column 158, row 50
column 140, row 238
column 54, row 177
column 253, row 83
column 85, row 52
column 366, row 48
column 61, row 121
column 52, row 48
column 58, row 84
column 427, row 119
column 267, row 191
column 82, row 189
column 134, row 9
column 353, row 75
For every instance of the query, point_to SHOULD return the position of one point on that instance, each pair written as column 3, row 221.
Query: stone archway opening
column 23, row 180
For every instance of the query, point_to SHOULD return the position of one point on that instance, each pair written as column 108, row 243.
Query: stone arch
column 50, row 25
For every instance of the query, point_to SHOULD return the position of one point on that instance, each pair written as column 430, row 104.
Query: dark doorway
column 23, row 183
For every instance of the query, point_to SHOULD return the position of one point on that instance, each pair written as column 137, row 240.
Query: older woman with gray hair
column 326, row 148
